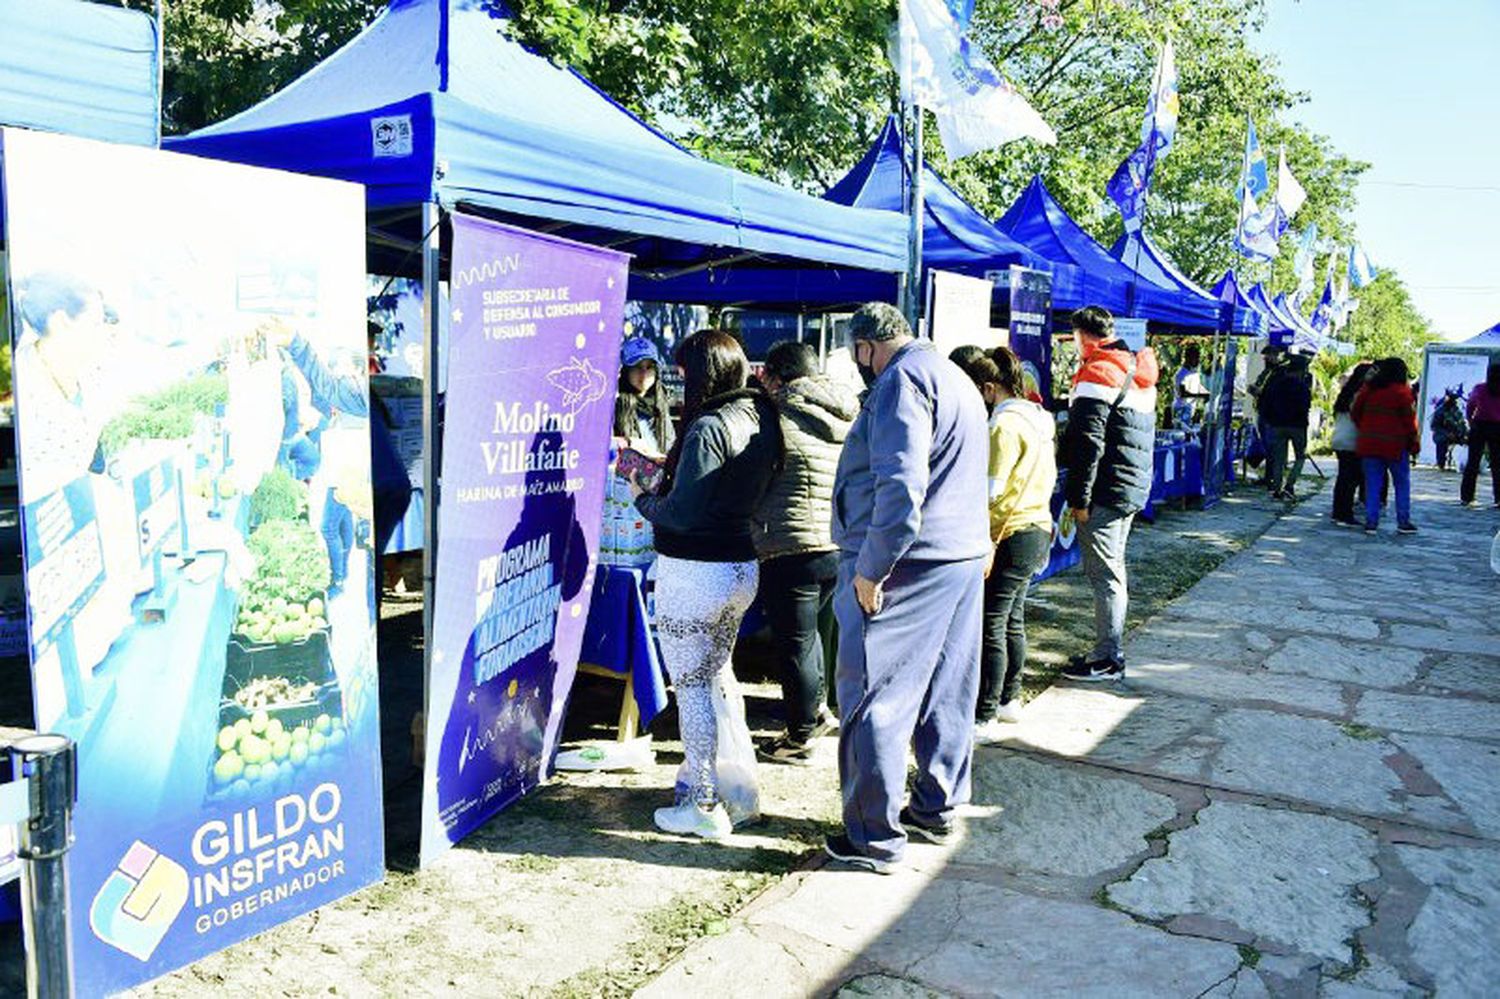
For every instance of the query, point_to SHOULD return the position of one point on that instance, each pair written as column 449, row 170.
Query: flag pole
column 918, row 212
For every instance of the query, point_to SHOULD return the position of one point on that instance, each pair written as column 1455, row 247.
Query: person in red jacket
column 1385, row 411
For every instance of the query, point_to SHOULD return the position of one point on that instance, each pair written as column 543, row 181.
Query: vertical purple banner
column 536, row 325
column 1031, row 328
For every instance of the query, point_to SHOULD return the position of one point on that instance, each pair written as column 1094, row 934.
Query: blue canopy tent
column 1490, row 339
column 1229, row 291
column 1038, row 221
column 432, row 104
column 955, row 237
column 1137, row 252
column 81, row 68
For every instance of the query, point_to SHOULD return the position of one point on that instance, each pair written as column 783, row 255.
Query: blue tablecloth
column 618, row 636
column 1179, row 474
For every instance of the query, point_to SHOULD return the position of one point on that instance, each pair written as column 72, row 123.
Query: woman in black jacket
column 707, row 574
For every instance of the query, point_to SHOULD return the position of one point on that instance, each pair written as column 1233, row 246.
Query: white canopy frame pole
column 432, row 262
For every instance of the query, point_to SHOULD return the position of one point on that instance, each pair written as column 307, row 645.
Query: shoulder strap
column 1129, row 381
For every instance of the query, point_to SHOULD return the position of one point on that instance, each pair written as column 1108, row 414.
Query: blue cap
column 638, row 349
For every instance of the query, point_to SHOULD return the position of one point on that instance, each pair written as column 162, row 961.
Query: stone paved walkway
column 1297, row 792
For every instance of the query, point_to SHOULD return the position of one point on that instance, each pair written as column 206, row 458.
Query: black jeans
column 795, row 589
column 1003, row 652
column 1484, row 435
column 1351, row 474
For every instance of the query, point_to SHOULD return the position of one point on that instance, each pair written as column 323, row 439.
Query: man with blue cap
column 912, row 526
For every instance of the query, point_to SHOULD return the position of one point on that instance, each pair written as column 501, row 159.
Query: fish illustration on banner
column 535, row 325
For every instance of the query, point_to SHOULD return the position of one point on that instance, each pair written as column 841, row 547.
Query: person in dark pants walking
column 909, row 519
column 1484, row 435
column 799, row 562
column 1285, row 405
column 1023, row 474
column 1111, row 442
column 1351, row 476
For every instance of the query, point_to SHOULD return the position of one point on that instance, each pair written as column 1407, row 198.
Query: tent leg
column 431, row 273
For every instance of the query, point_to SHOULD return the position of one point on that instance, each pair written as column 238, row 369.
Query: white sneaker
column 991, row 732
column 687, row 819
column 1009, row 712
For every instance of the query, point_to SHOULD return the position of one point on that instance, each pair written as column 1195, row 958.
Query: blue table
column 1178, row 475
column 618, row 639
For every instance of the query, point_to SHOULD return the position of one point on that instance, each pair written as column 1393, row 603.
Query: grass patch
column 666, row 932
column 531, row 863
column 1249, row 956
column 1363, row 733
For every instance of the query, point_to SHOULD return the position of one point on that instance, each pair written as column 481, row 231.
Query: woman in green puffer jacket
column 799, row 561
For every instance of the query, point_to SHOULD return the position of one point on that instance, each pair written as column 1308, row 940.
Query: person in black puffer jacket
column 799, row 562
column 717, row 472
column 1285, row 404
column 1110, row 447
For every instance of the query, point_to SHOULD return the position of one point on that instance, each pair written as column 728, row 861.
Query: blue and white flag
column 963, row 13
column 1290, row 194
column 1253, row 176
column 1132, row 178
column 1325, row 315
column 943, row 71
column 1304, row 264
column 1257, row 233
column 1361, row 271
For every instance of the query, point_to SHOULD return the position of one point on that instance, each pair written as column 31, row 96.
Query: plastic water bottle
column 1495, row 554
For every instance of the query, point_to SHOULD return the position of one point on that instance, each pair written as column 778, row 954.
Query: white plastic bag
column 1495, row 554
column 734, row 762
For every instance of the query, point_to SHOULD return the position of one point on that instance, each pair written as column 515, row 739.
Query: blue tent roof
column 1137, row 252
column 955, row 235
column 431, row 102
column 1489, row 338
column 81, row 68
column 1037, row 220
column 1277, row 326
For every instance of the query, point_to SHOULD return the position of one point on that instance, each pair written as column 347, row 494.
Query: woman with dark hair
column 1385, row 411
column 1345, row 443
column 717, row 471
column 1022, row 476
column 643, row 420
column 1484, row 435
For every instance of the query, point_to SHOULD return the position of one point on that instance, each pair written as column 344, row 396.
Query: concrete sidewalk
column 1297, row 792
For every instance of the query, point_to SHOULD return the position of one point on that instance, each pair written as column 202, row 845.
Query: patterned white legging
column 699, row 606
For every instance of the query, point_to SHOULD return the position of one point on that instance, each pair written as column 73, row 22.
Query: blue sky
column 1410, row 87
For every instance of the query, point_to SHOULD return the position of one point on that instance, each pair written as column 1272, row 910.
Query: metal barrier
column 40, row 799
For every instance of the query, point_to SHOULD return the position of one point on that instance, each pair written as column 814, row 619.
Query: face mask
column 866, row 371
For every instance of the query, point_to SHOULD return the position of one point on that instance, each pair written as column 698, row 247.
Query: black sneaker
column 1345, row 522
column 1371, row 529
column 839, row 848
column 785, row 749
column 936, row 833
column 1095, row 671
column 1406, row 528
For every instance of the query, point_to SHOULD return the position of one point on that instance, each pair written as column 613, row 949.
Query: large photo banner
column 1447, row 379
column 536, row 325
column 192, row 415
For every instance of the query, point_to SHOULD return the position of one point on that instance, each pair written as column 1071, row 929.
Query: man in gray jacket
column 910, row 520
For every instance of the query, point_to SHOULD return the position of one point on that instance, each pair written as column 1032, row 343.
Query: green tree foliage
column 796, row 89
column 225, row 55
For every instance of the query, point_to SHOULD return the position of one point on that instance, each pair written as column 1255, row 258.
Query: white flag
column 943, row 71
column 1289, row 193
